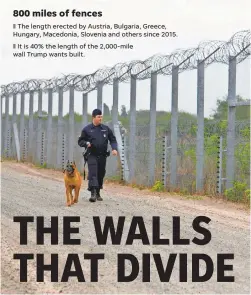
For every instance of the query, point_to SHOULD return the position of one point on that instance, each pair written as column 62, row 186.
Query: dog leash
column 85, row 155
column 84, row 169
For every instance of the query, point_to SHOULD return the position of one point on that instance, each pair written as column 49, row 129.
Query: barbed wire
column 187, row 59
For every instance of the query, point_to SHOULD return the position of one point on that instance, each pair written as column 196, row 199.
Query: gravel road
column 26, row 190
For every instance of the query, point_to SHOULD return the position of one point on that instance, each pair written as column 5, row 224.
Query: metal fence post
column 231, row 121
column 115, row 101
column 6, row 126
column 30, row 135
column 85, row 109
column 152, row 135
column 200, row 128
column 132, row 127
column 49, row 159
column 100, row 96
column 14, row 111
column 71, row 138
column 2, row 127
column 39, row 126
column 174, row 125
column 60, row 127
column 22, row 128
column 14, row 119
column 84, row 117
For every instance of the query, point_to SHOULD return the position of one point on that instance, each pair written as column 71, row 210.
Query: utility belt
column 87, row 153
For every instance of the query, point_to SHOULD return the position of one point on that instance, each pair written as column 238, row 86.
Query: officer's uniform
column 98, row 137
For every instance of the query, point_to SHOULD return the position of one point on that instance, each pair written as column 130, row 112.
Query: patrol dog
column 73, row 181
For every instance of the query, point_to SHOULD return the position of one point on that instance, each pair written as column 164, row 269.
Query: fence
column 44, row 139
column 186, row 155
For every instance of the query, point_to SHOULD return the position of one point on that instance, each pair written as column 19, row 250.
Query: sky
column 194, row 21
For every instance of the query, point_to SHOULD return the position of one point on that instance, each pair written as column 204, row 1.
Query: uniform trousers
column 96, row 171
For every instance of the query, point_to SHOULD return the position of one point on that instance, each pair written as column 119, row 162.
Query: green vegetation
column 239, row 192
column 158, row 186
column 215, row 126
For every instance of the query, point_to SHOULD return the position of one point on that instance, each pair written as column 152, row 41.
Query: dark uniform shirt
column 98, row 137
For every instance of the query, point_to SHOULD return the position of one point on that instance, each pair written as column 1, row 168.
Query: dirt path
column 26, row 190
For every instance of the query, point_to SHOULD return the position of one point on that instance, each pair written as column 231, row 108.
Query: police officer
column 95, row 137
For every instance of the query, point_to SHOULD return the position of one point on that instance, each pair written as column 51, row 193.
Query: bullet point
column 14, row 46
column 14, row 26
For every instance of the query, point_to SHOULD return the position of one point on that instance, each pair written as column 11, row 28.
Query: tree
column 221, row 111
column 106, row 110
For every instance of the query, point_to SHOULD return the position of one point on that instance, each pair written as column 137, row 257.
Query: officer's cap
column 96, row 112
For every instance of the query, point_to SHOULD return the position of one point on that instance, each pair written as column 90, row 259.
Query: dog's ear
column 63, row 170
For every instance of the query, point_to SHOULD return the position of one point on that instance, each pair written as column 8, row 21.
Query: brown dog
column 73, row 181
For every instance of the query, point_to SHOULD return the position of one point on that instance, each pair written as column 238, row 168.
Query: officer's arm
column 83, row 139
column 112, row 140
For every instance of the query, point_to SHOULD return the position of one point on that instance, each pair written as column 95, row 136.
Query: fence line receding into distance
column 42, row 140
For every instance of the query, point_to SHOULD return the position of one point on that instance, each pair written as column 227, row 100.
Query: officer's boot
column 98, row 195
column 93, row 195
